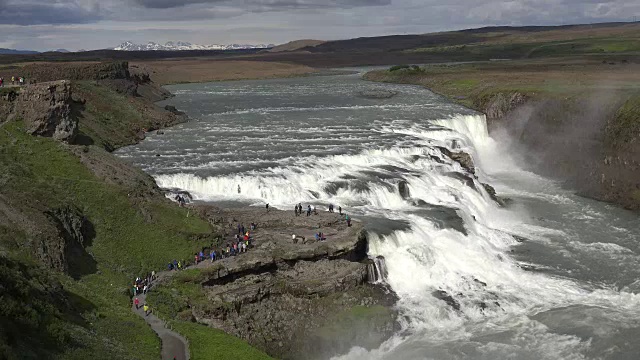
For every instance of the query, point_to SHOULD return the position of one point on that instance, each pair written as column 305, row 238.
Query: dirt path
column 174, row 346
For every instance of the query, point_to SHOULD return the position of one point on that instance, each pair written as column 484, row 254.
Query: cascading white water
column 463, row 292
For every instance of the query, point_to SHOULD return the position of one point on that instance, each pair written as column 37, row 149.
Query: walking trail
column 174, row 346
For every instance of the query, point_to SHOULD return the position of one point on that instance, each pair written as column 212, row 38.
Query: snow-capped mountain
column 180, row 45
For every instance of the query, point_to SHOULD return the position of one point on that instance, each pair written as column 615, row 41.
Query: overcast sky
column 96, row 24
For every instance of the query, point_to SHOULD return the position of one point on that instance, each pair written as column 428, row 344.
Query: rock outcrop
column 46, row 110
column 295, row 299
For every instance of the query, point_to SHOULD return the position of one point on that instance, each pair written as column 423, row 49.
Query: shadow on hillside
column 77, row 110
column 38, row 313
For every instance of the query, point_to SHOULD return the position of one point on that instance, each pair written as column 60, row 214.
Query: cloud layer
column 46, row 24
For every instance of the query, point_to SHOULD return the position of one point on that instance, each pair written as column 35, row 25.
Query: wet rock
column 479, row 282
column 444, row 296
column 465, row 160
column 378, row 94
column 492, row 193
column 172, row 109
column 403, row 189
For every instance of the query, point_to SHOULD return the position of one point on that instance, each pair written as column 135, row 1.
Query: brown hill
column 296, row 45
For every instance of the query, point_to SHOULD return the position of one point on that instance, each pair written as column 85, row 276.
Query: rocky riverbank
column 294, row 299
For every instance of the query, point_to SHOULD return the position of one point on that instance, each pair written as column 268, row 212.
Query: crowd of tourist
column 19, row 80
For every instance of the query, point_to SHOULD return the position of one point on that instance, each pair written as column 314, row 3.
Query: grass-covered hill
column 77, row 225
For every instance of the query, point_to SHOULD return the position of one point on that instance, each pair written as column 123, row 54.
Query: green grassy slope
column 136, row 230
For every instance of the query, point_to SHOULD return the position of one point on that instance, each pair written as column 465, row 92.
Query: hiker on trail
column 212, row 255
column 196, row 258
column 308, row 210
column 153, row 275
column 330, row 208
column 175, row 264
column 267, row 206
column 1, row 82
column 145, row 308
column 243, row 230
column 244, row 247
column 21, row 80
column 348, row 220
column 296, row 210
column 13, row 80
column 136, row 302
column 180, row 265
column 238, row 188
column 340, row 209
column 314, row 210
column 144, row 290
column 253, row 226
column 239, row 228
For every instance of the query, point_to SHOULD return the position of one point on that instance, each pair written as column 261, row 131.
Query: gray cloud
column 271, row 4
column 28, row 12
column 91, row 24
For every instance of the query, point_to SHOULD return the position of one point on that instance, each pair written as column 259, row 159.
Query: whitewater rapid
column 313, row 141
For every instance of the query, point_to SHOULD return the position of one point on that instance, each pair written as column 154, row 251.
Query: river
column 550, row 276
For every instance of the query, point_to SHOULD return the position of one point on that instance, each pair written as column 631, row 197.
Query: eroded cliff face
column 45, row 109
column 591, row 142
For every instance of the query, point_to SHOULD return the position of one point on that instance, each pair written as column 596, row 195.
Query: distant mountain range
column 180, row 45
column 27, row 52
column 16, row 52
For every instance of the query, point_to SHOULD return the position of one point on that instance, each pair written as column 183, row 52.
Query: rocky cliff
column 303, row 299
column 45, row 109
column 590, row 142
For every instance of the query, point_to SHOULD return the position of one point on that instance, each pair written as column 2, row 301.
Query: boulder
column 465, row 160
column 45, row 109
column 403, row 189
column 492, row 193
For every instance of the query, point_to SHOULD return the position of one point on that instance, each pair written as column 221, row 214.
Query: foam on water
column 360, row 164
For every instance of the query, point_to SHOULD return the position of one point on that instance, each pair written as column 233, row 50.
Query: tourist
column 340, row 210
column 296, row 210
column 144, row 290
column 201, row 255
column 244, row 247
column 212, row 255
column 240, row 229
column 1, row 82
column 308, row 210
column 317, row 236
column 314, row 210
column 13, row 80
column 267, row 206
column 145, row 308
column 196, row 258
column 238, row 188
column 348, row 221
column 136, row 302
column 175, row 264
column 153, row 275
